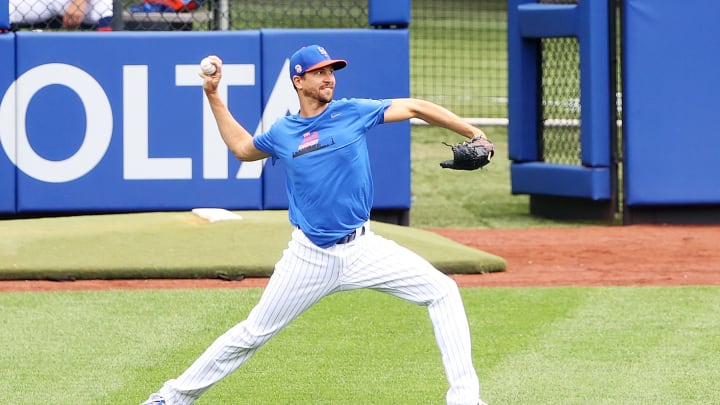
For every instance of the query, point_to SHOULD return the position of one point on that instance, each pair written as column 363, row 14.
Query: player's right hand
column 211, row 82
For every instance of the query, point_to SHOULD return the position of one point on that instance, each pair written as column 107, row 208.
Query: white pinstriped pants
column 305, row 274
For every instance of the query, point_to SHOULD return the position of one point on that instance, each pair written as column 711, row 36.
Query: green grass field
column 531, row 346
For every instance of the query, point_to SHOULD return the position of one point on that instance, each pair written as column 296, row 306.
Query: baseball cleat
column 155, row 399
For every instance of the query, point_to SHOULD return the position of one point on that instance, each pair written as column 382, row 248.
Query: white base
column 216, row 214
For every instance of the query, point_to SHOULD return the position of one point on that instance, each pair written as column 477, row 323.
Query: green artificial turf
column 183, row 245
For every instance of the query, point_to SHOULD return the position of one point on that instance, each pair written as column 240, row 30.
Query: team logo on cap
column 298, row 68
column 322, row 51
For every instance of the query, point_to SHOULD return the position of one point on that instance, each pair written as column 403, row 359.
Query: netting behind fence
column 459, row 55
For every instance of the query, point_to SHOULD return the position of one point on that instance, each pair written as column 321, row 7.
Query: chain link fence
column 560, row 88
column 42, row 15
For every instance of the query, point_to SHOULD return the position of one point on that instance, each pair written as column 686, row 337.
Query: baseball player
column 332, row 248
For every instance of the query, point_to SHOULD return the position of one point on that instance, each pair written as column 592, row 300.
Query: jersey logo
column 310, row 143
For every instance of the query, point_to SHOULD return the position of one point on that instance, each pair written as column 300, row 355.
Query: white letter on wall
column 137, row 164
column 98, row 129
column 215, row 153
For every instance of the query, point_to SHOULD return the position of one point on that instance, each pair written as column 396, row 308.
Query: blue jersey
column 327, row 166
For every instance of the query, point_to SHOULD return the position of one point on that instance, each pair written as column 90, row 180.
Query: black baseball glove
column 471, row 154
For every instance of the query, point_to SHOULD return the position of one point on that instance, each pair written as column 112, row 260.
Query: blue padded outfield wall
column 671, row 86
column 528, row 22
column 7, row 154
column 118, row 121
column 670, row 98
column 4, row 16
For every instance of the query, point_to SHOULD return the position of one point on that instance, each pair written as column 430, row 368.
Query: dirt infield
column 638, row 255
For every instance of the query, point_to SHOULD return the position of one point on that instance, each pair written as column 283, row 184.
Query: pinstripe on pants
column 305, row 274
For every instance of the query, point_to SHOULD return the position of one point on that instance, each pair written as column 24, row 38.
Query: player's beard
column 322, row 95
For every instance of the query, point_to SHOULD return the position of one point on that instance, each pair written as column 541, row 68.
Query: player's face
column 319, row 84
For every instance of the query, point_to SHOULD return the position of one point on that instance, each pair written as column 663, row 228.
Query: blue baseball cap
column 312, row 57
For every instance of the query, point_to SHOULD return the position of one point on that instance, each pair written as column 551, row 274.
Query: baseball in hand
column 207, row 67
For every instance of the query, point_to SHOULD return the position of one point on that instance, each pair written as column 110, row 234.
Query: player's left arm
column 405, row 108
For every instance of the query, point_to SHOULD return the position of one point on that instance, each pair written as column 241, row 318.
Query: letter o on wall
column 98, row 129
